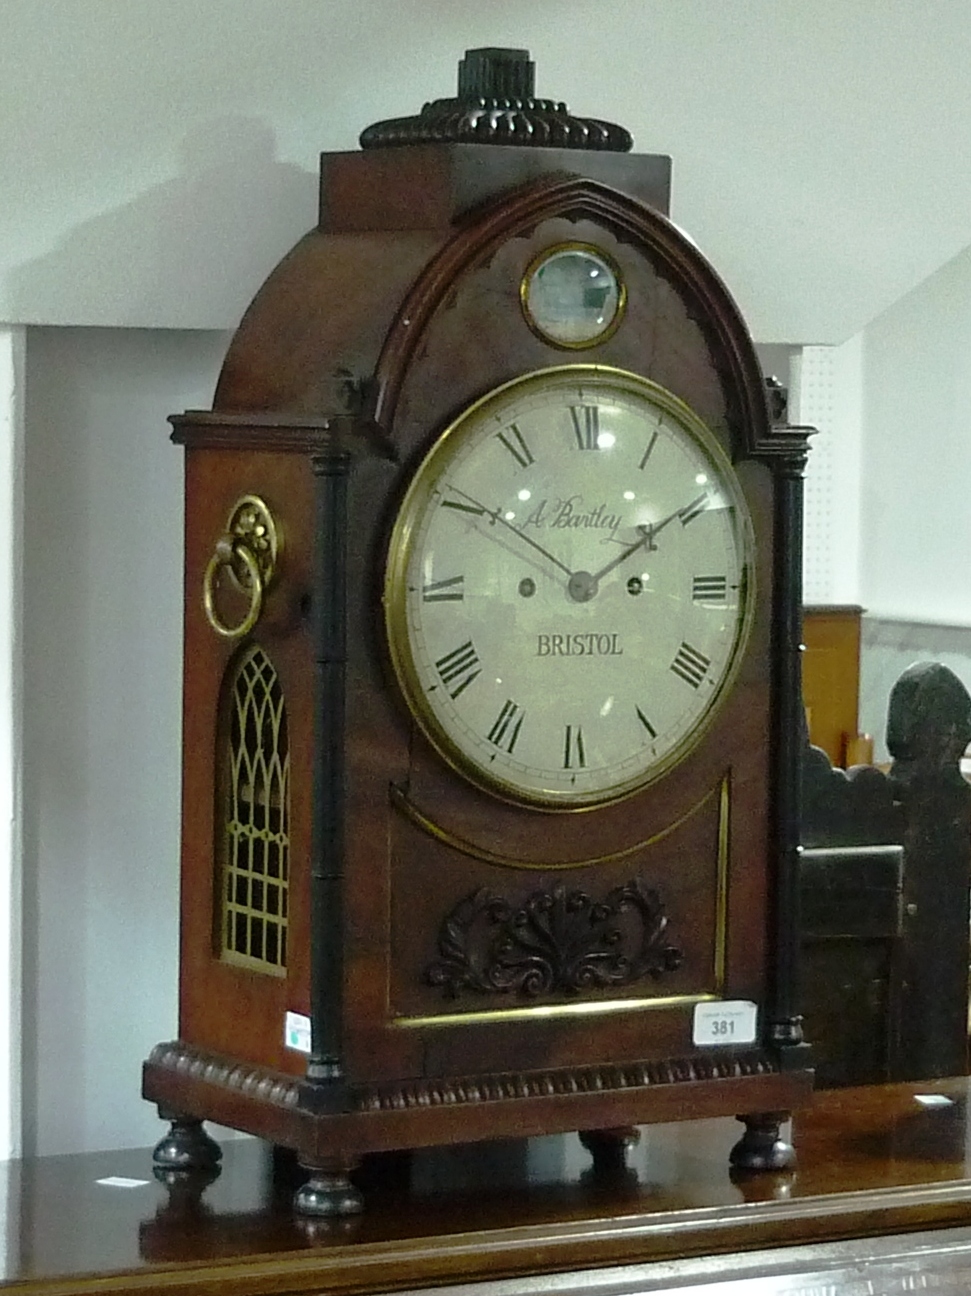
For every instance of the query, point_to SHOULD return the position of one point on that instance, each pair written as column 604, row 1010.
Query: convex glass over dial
column 568, row 586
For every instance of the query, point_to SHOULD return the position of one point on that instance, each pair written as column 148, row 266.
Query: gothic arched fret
column 252, row 908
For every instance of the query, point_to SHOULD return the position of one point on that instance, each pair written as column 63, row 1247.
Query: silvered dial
column 568, row 586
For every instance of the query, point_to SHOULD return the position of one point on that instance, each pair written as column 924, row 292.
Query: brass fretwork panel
column 255, row 816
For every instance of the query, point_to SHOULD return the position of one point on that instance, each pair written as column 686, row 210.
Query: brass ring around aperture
column 228, row 550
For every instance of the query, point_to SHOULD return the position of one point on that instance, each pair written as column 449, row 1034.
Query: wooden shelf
column 874, row 1163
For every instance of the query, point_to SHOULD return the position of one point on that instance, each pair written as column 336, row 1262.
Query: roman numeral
column 451, row 590
column 650, row 449
column 573, row 755
column 691, row 511
column 645, row 722
column 475, row 509
column 513, row 440
column 709, row 589
column 500, row 733
column 690, row 664
column 459, row 667
column 586, row 425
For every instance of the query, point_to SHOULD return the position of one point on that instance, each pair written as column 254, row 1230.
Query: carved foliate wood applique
column 559, row 939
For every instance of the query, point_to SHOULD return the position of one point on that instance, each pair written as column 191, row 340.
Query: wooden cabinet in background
column 831, row 682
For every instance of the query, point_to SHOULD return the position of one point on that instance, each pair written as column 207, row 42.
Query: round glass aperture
column 573, row 296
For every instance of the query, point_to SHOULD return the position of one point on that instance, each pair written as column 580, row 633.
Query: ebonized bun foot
column 609, row 1148
column 762, row 1147
column 328, row 1194
column 186, row 1147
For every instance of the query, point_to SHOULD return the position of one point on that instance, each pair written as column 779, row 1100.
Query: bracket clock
column 492, row 703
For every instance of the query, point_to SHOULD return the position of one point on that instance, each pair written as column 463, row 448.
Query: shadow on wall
column 189, row 253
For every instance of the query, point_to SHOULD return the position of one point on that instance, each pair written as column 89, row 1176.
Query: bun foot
column 328, row 1193
column 762, row 1147
column 187, row 1147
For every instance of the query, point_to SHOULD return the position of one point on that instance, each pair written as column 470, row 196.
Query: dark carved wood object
column 886, row 875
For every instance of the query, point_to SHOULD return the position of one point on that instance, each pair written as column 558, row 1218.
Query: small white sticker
column 119, row 1181
column 934, row 1100
column 296, row 1032
column 728, row 1021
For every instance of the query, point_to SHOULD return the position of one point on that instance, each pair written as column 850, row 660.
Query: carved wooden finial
column 929, row 720
column 496, row 104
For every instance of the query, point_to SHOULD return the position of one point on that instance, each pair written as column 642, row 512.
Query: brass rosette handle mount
column 247, row 555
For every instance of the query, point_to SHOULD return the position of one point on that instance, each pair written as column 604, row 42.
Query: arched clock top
column 654, row 255
column 345, row 315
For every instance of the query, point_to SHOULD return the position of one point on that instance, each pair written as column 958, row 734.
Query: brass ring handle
column 229, row 549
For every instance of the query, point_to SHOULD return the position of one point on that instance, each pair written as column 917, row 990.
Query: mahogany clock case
column 371, row 336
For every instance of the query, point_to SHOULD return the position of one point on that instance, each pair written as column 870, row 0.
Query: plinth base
column 332, row 1126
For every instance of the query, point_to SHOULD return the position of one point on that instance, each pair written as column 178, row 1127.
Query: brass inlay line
column 590, row 1008
column 401, row 802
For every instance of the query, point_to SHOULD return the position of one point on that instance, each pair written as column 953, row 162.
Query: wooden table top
column 872, row 1161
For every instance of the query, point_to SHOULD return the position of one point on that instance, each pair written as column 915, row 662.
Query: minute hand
column 496, row 516
column 648, row 532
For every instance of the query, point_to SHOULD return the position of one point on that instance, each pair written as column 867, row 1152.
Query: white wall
column 915, row 523
column 827, row 394
column 915, row 520
column 157, row 157
column 102, row 706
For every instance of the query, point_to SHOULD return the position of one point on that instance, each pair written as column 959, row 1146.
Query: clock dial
column 568, row 586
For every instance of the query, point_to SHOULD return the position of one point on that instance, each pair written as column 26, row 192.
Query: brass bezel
column 546, row 255
column 394, row 597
